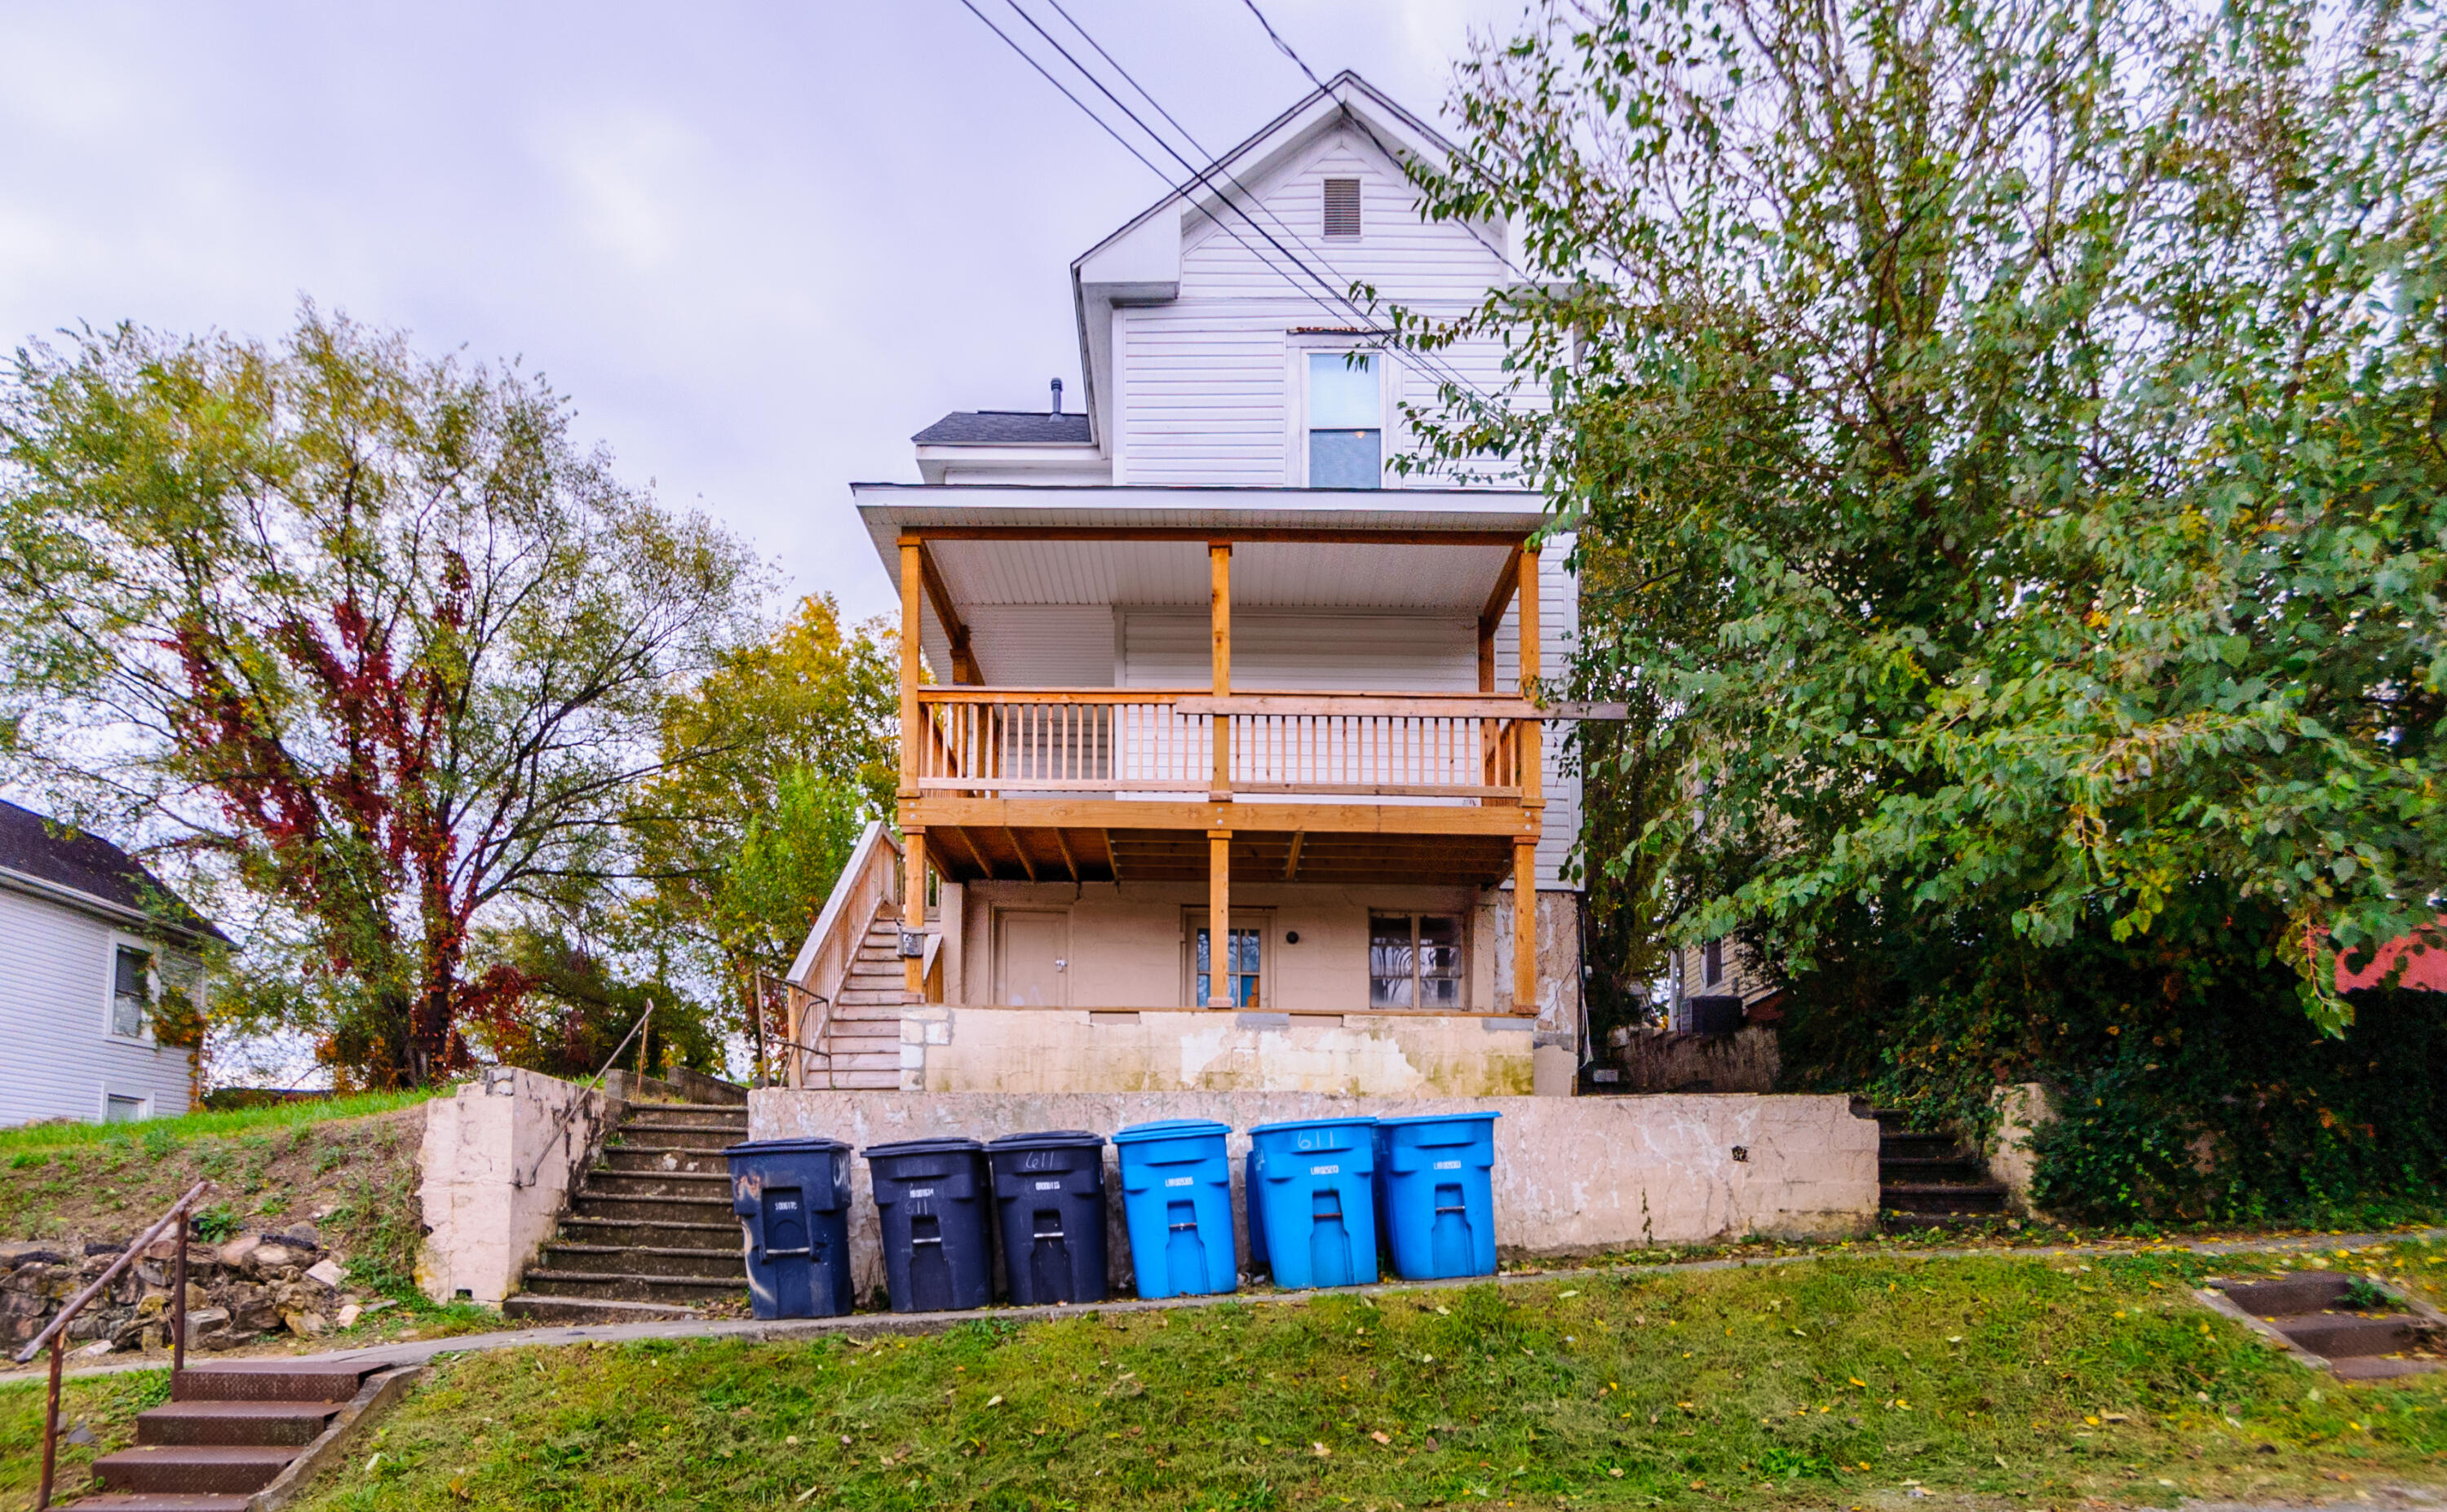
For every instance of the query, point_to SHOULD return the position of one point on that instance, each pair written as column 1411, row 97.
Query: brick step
column 163, row 1501
column 655, row 1209
column 624, row 1286
column 210, row 1468
column 645, row 1260
column 2348, row 1335
column 627, row 1233
column 235, row 1423
column 271, row 1380
column 648, row 1158
column 703, row 1140
column 1941, row 1196
column 572, row 1311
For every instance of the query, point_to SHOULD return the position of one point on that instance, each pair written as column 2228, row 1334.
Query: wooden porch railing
column 868, row 888
column 1003, row 740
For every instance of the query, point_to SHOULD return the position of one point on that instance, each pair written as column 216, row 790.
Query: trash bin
column 1440, row 1197
column 792, row 1198
column 1316, row 1185
column 1251, row 1165
column 1176, row 1202
column 1050, row 1189
column 930, row 1201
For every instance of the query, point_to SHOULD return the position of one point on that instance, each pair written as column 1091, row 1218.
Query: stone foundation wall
column 1573, row 1176
column 237, row 1292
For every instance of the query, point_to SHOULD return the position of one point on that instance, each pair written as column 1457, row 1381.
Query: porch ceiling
column 1022, row 854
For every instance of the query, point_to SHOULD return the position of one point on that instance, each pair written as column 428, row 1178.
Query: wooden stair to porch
column 860, row 1046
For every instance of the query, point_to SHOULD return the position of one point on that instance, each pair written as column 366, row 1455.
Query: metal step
column 2366, row 1368
column 2349, row 1336
column 272, row 1380
column 161, row 1502
column 235, row 1423
column 210, row 1468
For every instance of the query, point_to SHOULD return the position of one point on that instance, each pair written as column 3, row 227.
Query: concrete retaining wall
column 1573, row 1176
column 499, row 1160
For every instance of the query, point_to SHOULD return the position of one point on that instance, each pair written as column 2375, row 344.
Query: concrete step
column 1916, row 1222
column 621, row 1286
column 677, row 1119
column 208, row 1469
column 2368, row 1369
column 572, row 1311
column 648, row 1158
column 703, row 1140
column 269, row 1380
column 1941, row 1196
column 626, row 1234
column 235, row 1423
column 603, row 1182
column 1893, row 1171
column 655, row 1209
column 645, row 1260
column 1892, row 1146
column 2344, row 1335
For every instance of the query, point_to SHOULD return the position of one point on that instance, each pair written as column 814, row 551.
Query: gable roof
column 1005, row 427
column 78, row 862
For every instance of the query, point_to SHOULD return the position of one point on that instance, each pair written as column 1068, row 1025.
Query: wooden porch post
column 1533, row 802
column 1219, row 918
column 913, row 908
column 1218, row 616
column 912, row 898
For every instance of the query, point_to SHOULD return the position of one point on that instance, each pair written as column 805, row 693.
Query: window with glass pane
column 117, row 1109
column 1346, row 428
column 131, row 994
column 1241, row 966
column 1413, row 961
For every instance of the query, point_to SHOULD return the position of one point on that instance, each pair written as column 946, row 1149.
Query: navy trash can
column 930, row 1201
column 792, row 1199
column 1176, row 1202
column 1316, row 1185
column 1437, row 1173
column 1050, row 1189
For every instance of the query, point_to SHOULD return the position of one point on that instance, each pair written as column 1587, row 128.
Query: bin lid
column 807, row 1146
column 923, row 1147
column 1488, row 1115
column 1315, row 1123
column 1170, row 1128
column 1052, row 1138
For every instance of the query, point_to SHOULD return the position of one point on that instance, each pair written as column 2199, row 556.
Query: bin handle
column 783, row 1255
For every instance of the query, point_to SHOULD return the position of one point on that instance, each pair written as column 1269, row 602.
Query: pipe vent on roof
column 1342, row 207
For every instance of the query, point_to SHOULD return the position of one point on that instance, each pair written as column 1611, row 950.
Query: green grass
column 106, row 1404
column 1833, row 1383
column 156, row 1136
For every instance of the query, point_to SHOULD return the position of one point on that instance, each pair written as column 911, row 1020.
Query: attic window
column 1342, row 207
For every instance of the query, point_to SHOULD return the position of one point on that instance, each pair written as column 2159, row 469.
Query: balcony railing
column 1159, row 743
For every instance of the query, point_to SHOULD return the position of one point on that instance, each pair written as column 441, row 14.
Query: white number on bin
column 922, row 1191
column 1049, row 1186
column 1448, row 1166
column 1181, row 1180
column 1325, row 1170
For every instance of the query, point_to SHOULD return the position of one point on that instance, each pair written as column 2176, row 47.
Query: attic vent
column 1342, row 207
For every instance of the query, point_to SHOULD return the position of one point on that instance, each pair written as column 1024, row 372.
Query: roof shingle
column 1005, row 427
column 85, row 862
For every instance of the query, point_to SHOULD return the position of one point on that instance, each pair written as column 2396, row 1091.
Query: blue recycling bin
column 1050, row 1190
column 792, row 1200
column 1177, row 1202
column 1252, row 1209
column 1316, row 1185
column 1435, row 1173
column 931, row 1204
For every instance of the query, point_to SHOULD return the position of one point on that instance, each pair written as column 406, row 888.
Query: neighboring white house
column 90, row 944
column 1200, row 652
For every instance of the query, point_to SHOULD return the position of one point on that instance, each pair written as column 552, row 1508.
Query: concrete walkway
column 867, row 1325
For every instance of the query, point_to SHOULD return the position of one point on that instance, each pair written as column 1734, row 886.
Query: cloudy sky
column 758, row 244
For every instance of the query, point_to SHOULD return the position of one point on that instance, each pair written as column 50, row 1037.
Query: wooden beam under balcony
column 1206, row 535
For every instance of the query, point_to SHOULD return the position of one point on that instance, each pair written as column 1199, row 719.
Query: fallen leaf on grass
column 993, row 1401
column 1320, row 1451
column 1382, row 1436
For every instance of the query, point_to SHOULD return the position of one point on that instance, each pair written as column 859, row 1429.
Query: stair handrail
column 569, row 1111
column 56, row 1333
column 860, row 894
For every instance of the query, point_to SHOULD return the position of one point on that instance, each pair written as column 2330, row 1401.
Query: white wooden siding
column 1169, row 648
column 1043, row 645
column 60, row 1059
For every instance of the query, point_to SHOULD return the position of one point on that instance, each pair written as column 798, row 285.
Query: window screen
column 1342, row 207
column 1346, row 435
column 131, row 992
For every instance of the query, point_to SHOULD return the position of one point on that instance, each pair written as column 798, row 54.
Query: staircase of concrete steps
column 1930, row 1180
column 861, row 1048
column 650, row 1233
column 227, row 1431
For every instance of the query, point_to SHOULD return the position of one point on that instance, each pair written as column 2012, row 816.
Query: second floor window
column 131, row 990
column 1346, row 426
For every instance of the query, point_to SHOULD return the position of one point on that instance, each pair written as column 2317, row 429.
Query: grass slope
column 162, row 1134
column 2023, row 1380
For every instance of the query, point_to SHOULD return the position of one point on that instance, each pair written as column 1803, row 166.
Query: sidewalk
column 867, row 1325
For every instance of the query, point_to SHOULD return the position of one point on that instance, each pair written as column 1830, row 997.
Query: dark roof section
column 1005, row 427
column 85, row 862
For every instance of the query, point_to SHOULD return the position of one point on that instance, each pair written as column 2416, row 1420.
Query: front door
column 1030, row 969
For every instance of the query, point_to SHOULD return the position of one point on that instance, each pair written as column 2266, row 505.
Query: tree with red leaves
column 364, row 632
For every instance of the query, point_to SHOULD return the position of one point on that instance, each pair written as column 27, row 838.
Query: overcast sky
column 758, row 244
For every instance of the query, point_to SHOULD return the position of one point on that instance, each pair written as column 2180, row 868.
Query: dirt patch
column 352, row 1182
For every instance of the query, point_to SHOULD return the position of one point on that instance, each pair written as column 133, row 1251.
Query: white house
column 1199, row 653
column 90, row 944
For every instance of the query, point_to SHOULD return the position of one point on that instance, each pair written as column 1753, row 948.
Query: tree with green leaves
column 2020, row 432
column 366, row 633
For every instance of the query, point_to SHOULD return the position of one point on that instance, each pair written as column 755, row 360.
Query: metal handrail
column 796, row 1040
column 56, row 1335
column 560, row 1125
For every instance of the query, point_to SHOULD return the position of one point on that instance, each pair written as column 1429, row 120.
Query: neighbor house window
column 1346, row 427
column 1415, row 960
column 131, row 989
column 1712, row 962
column 1244, row 968
column 117, row 1109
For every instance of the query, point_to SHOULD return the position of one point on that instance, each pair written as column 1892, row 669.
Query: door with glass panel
column 1243, row 966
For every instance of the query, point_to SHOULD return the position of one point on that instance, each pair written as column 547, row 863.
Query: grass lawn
column 2021, row 1381
column 159, row 1136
